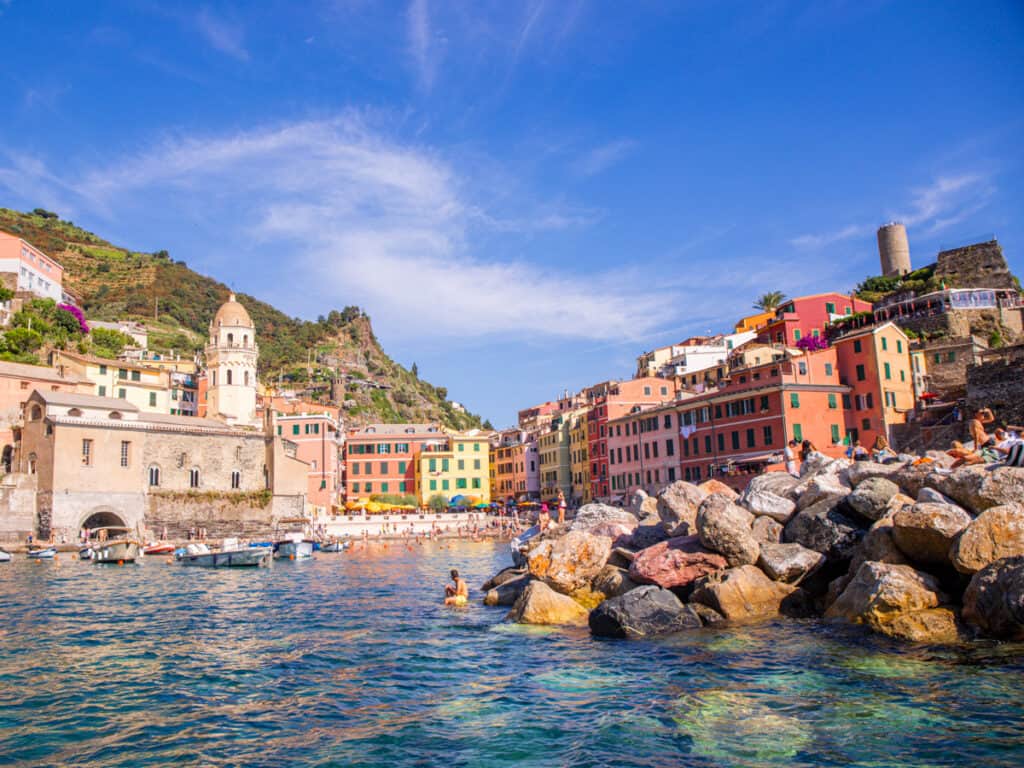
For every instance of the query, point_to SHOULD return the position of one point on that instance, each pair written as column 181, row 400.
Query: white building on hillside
column 231, row 359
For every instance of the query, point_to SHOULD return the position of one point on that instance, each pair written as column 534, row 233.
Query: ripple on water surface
column 351, row 660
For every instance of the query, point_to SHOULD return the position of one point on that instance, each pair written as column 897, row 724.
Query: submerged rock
column 643, row 612
column 925, row 532
column 741, row 593
column 725, row 527
column 674, row 563
column 994, row 600
column 932, row 625
column 996, row 533
column 569, row 563
column 539, row 604
column 789, row 562
column 507, row 592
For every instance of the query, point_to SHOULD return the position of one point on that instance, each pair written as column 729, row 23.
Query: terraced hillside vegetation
column 337, row 358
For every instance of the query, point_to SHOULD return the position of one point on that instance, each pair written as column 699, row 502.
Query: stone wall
column 980, row 265
column 998, row 383
column 66, row 513
column 949, row 377
column 222, row 515
column 17, row 507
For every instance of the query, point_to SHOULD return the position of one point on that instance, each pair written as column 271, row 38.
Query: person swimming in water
column 456, row 593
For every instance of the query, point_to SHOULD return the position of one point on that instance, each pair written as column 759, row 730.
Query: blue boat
column 42, row 554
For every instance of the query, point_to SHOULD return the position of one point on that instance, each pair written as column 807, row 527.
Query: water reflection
column 352, row 660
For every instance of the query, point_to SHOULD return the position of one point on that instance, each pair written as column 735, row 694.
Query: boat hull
column 159, row 549
column 293, row 550
column 336, row 546
column 115, row 552
column 254, row 557
column 42, row 554
column 5, row 557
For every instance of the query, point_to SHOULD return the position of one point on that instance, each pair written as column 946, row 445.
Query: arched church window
column 247, row 378
column 229, row 377
column 231, row 339
column 154, row 476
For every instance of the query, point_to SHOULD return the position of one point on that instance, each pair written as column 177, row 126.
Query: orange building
column 380, row 458
column 515, row 467
column 875, row 363
column 754, row 322
column 742, row 428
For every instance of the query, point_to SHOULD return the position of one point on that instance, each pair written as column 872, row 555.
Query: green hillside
column 177, row 304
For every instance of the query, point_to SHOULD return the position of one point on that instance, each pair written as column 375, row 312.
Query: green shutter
column 798, row 433
column 835, row 433
column 831, row 401
column 794, row 399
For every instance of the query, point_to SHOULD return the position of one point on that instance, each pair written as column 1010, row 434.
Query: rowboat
column 42, row 554
column 293, row 547
column 85, row 553
column 232, row 555
column 159, row 548
column 336, row 546
column 119, row 548
column 5, row 556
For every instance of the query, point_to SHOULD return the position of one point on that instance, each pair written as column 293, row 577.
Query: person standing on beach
column 561, row 506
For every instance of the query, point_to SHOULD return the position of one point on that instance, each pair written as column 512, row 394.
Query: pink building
column 316, row 435
column 25, row 268
column 643, row 450
column 808, row 315
column 17, row 382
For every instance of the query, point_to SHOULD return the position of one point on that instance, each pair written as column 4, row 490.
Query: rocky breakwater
column 911, row 550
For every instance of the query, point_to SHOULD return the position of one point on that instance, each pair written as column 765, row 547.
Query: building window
column 903, row 375
column 102, row 391
column 899, row 346
column 802, row 367
column 835, row 434
column 460, row 464
column 136, row 376
column 828, row 369
column 861, row 375
column 885, row 344
column 476, row 447
column 444, row 465
column 295, row 429
column 830, row 307
column 367, row 467
column 767, row 434
column 432, row 465
column 125, row 451
column 122, row 373
column 236, row 479
column 832, row 401
column 951, row 357
column 122, row 393
column 647, row 391
column 476, row 463
column 384, row 467
column 444, row 485
column 888, row 370
column 794, row 400
column 462, row 447
column 796, row 334
column 856, row 345
column 721, row 441
column 707, row 444
column 798, row 433
column 401, row 467
column 193, row 478
column 154, row 476
column 433, row 485
column 246, row 378
column 670, row 447
column 229, row 377
column 383, row 487
column 401, row 487
column 751, row 442
column 87, row 453
column 735, row 438
column 152, row 399
column 355, row 467
column 460, row 483
column 866, row 424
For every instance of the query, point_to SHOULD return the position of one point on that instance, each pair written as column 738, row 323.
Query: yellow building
column 754, row 322
column 461, row 468
column 146, row 387
column 579, row 458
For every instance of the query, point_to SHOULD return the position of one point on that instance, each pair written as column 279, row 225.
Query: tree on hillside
column 770, row 301
column 415, row 371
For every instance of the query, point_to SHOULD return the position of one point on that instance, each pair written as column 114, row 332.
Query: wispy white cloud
column 422, row 46
column 225, row 36
column 369, row 220
column 604, row 157
column 827, row 238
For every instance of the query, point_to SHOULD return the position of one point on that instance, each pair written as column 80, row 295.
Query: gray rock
column 994, row 600
column 708, row 615
column 766, row 531
column 505, row 574
column 725, row 528
column 789, row 562
column 819, row 488
column 871, row 497
column 647, row 536
column 641, row 504
column 776, row 483
column 766, row 503
column 977, row 488
column 925, row 532
column 604, row 520
column 642, row 612
column 507, row 592
column 823, row 528
column 931, row 496
column 859, row 471
column 613, row 581
column 677, row 507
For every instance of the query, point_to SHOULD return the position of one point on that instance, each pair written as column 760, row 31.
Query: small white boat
column 231, row 555
column 5, row 556
column 293, row 547
column 159, row 548
column 115, row 547
column 42, row 554
column 336, row 546
column 85, row 553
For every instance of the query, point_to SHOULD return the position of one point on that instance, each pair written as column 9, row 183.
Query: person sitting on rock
column 880, row 451
column 544, row 518
column 981, row 438
column 1009, row 449
column 456, row 593
column 963, row 455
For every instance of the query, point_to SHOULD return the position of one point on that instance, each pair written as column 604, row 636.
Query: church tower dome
column 231, row 358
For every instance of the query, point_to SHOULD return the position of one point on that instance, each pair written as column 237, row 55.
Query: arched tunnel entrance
column 103, row 520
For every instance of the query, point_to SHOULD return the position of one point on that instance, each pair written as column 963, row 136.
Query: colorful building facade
column 643, row 450
column 809, row 316
column 460, row 468
column 31, row 270
column 381, row 458
column 317, row 440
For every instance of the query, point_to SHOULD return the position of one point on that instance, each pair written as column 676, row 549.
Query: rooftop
column 40, row 372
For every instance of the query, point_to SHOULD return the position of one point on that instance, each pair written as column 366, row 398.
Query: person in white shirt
column 790, row 455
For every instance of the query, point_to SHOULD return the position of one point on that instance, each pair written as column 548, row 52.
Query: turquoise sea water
column 352, row 660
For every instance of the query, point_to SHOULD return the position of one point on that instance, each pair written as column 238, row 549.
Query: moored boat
column 231, row 555
column 158, row 548
column 42, row 554
column 336, row 546
column 5, row 556
column 85, row 553
column 115, row 546
column 293, row 547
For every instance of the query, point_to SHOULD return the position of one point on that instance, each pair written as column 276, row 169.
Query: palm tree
column 770, row 301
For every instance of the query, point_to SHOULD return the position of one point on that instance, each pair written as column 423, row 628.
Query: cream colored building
column 231, row 359
column 146, row 387
column 102, row 461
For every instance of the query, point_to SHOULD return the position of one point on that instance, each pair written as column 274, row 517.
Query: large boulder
column 930, row 495
column 996, row 533
column 859, row 471
column 725, row 527
column 778, row 508
column 612, row 581
column 820, row 488
column 871, row 497
column 977, row 488
column 604, row 520
column 775, row 483
column 645, row 536
column 932, row 625
column 911, row 478
column 878, row 546
column 823, row 528
column 766, row 531
column 505, row 574
column 674, row 563
column 789, row 562
column 925, row 532
column 741, row 593
column 709, row 487
column 814, row 464
column 642, row 612
column 994, row 600
column 539, row 604
column 641, row 504
column 507, row 592
column 879, row 593
column 677, row 507
column 568, row 563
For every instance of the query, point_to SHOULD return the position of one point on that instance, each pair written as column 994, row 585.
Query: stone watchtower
column 893, row 249
column 231, row 366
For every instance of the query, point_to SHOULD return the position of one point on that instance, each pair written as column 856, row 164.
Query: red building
column 808, row 315
column 610, row 400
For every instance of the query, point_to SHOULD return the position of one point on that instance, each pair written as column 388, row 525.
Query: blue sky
column 524, row 196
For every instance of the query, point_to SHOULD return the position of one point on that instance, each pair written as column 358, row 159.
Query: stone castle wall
column 17, row 508
column 980, row 265
column 222, row 515
column 999, row 384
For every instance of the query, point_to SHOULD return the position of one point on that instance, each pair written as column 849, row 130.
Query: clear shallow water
column 351, row 660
